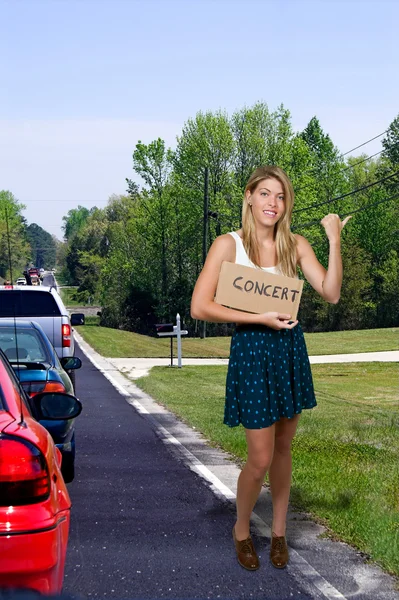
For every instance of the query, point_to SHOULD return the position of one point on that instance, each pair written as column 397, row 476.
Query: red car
column 34, row 502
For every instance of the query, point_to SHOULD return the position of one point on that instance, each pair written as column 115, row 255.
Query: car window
column 27, row 303
column 16, row 385
column 24, row 343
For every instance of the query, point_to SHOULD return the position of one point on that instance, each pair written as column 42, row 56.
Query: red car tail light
column 24, row 476
column 54, row 386
column 36, row 387
column 66, row 336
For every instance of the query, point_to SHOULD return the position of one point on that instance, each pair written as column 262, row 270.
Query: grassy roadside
column 346, row 452
column 124, row 344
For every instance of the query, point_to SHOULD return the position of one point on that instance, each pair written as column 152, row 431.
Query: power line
column 342, row 155
column 298, row 210
column 347, row 168
column 352, row 212
column 365, row 143
column 363, row 160
column 365, row 187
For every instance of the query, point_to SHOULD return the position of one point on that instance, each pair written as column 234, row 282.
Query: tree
column 74, row 220
column 327, row 163
column 250, row 127
column 153, row 163
column 14, row 248
column 43, row 246
column 391, row 142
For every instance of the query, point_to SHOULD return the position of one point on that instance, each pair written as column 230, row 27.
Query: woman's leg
column 280, row 472
column 260, row 443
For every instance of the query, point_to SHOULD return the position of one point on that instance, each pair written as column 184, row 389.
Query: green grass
column 115, row 343
column 345, row 453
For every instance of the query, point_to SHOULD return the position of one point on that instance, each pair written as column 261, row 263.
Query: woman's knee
column 259, row 467
column 260, row 444
column 285, row 432
column 282, row 445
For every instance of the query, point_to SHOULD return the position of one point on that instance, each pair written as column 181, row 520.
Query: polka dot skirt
column 268, row 376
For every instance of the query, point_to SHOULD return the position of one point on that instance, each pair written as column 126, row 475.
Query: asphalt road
column 144, row 525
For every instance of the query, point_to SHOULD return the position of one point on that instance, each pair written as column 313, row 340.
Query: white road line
column 297, row 562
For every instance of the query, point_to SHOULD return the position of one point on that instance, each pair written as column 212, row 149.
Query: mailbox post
column 172, row 331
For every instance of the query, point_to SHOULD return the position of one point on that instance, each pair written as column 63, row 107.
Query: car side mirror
column 77, row 319
column 56, row 406
column 71, row 362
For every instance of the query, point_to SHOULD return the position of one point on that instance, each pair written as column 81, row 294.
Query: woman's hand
column 276, row 320
column 333, row 226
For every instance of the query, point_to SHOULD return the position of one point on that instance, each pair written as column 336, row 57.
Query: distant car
column 41, row 270
column 20, row 281
column 34, row 501
column 35, row 280
column 37, row 367
column 48, row 279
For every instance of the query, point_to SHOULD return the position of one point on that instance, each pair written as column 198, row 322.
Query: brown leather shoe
column 279, row 552
column 246, row 553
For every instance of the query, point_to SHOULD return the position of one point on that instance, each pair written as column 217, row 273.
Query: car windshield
column 25, row 346
column 29, row 303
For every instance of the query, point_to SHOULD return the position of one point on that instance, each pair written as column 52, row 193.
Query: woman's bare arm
column 326, row 282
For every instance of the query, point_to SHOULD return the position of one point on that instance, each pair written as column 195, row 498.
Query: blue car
column 38, row 368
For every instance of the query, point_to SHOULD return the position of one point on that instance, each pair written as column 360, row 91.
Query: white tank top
column 242, row 257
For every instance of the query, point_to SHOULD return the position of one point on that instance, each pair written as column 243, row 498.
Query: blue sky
column 84, row 80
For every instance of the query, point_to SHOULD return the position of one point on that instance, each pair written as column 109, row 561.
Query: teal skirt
column 268, row 376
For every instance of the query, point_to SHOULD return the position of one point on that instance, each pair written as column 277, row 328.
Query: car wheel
column 72, row 377
column 68, row 467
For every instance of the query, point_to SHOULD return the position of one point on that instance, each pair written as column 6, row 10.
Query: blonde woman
column 269, row 381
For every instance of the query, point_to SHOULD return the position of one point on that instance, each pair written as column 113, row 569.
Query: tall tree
column 74, row 220
column 153, row 163
column 43, row 246
column 391, row 142
column 12, row 236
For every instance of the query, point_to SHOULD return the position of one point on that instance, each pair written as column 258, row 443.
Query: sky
column 82, row 81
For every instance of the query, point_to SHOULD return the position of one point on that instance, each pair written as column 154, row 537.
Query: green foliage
column 387, row 286
column 14, row 247
column 391, row 142
column 74, row 220
column 43, row 246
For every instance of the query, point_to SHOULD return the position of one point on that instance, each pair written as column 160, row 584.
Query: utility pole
column 9, row 246
column 205, row 232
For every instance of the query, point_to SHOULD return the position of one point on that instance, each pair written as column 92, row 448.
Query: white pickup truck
column 44, row 306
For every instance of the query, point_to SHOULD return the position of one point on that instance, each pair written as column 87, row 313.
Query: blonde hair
column 284, row 238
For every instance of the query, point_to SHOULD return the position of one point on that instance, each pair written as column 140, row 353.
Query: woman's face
column 268, row 205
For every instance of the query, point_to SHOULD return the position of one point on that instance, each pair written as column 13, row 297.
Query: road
column 144, row 525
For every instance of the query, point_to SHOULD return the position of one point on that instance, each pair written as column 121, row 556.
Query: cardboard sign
column 256, row 291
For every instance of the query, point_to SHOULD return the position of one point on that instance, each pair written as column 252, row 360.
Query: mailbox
column 164, row 328
column 172, row 331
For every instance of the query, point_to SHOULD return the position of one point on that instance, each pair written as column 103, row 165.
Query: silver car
column 43, row 305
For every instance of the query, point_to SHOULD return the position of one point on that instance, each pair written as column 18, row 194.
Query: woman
column 269, row 379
